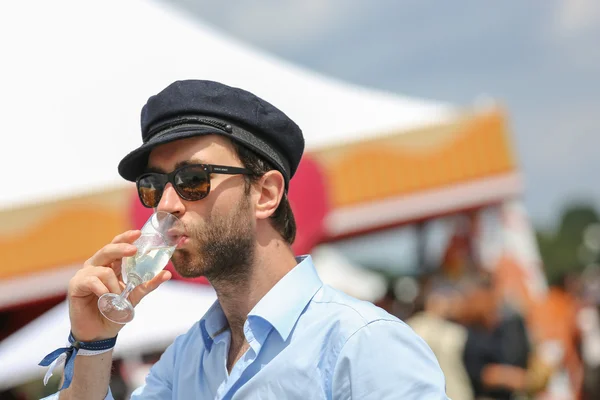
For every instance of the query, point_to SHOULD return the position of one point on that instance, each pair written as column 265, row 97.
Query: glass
column 160, row 235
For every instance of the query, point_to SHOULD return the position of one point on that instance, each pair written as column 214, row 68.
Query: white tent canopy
column 75, row 75
column 164, row 314
column 338, row 271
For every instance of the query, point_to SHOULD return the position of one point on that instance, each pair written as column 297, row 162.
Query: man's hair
column 283, row 217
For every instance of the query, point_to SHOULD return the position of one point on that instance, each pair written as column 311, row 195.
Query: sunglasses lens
column 150, row 189
column 192, row 183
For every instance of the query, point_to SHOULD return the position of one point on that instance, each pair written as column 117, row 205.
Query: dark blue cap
column 196, row 107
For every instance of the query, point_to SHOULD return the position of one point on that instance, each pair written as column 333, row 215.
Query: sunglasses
column 191, row 182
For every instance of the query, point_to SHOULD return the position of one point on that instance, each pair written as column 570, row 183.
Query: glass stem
column 130, row 286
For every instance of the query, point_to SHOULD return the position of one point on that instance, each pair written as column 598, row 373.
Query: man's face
column 483, row 304
column 220, row 228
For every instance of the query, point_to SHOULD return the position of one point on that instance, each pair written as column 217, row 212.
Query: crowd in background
column 485, row 344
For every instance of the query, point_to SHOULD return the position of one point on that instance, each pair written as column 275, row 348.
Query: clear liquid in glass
column 149, row 260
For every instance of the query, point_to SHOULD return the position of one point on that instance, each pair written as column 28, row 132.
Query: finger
column 87, row 285
column 108, row 278
column 127, row 237
column 116, row 266
column 142, row 290
column 111, row 253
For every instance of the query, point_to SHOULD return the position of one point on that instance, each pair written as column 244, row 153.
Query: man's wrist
column 93, row 343
column 83, row 338
column 68, row 355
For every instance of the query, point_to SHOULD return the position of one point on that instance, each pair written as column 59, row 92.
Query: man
column 220, row 159
column 496, row 353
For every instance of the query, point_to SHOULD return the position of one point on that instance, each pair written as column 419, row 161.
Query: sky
column 540, row 60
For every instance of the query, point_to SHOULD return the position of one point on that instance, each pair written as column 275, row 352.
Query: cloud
column 277, row 23
column 306, row 20
column 576, row 17
column 573, row 30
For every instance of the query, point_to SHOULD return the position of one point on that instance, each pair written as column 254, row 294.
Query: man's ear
column 270, row 192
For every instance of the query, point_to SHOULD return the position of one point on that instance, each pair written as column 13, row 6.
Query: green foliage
column 559, row 250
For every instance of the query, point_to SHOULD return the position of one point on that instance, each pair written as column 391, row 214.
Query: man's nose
column 170, row 201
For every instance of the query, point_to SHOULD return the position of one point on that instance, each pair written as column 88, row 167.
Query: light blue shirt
column 307, row 341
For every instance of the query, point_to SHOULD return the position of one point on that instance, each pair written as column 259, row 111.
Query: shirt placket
column 242, row 364
column 221, row 344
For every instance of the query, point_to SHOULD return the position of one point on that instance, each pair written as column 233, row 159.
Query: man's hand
column 102, row 274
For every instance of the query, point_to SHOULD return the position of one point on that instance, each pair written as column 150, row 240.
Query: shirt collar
column 280, row 307
column 212, row 324
column 283, row 304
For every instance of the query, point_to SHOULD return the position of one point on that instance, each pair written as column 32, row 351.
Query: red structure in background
column 307, row 196
column 309, row 201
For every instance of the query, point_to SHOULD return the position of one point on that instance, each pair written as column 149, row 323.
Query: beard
column 224, row 247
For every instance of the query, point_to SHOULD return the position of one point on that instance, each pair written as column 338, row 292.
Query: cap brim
column 135, row 163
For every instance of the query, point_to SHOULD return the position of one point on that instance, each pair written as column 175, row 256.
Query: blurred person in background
column 556, row 321
column 497, row 355
column 574, row 299
column 443, row 305
column 588, row 322
column 220, row 159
